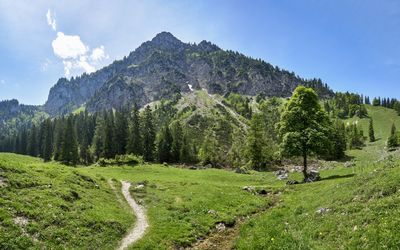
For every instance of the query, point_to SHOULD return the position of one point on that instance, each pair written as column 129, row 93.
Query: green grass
column 183, row 205
column 63, row 207
column 363, row 202
column 75, row 208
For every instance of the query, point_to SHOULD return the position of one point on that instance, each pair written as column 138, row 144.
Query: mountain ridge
column 165, row 66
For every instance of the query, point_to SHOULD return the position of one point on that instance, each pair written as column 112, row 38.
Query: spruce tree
column 134, row 139
column 371, row 131
column 109, row 146
column 177, row 135
column 33, row 142
column 148, row 133
column 392, row 142
column 47, row 141
column 97, row 147
column 164, row 145
column 58, row 138
column 69, row 149
column 120, row 132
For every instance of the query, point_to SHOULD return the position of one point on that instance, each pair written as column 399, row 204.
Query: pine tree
column 97, row 147
column 209, row 149
column 148, row 133
column 164, row 145
column 47, row 141
column 120, row 132
column 134, row 141
column 177, row 135
column 371, row 131
column 33, row 142
column 393, row 142
column 109, row 146
column 69, row 149
column 58, row 138
column 187, row 153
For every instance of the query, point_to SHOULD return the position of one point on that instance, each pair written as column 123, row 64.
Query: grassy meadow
column 49, row 205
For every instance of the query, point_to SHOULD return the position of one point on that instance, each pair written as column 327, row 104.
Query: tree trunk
column 305, row 165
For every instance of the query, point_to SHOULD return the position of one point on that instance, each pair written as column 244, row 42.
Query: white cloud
column 51, row 20
column 75, row 54
column 98, row 54
column 2, row 82
column 67, row 47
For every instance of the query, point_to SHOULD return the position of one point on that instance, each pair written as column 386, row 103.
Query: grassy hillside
column 353, row 207
column 51, row 205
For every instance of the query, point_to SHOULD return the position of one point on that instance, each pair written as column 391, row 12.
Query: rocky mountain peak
column 166, row 40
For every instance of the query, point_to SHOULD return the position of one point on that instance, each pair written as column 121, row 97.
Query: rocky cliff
column 165, row 66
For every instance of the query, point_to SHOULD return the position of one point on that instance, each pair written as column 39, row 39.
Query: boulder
column 313, row 176
column 281, row 174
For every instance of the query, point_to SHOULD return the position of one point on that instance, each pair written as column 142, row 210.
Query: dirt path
column 141, row 221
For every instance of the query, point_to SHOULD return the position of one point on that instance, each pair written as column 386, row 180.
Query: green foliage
column 240, row 104
column 304, row 126
column 148, row 133
column 371, row 131
column 393, row 141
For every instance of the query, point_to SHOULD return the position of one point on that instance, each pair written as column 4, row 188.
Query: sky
column 351, row 45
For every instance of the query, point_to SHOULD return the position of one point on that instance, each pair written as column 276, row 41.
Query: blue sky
column 351, row 45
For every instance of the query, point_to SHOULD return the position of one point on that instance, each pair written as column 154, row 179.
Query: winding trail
column 141, row 225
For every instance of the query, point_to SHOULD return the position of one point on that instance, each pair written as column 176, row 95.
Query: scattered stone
column 281, row 174
column 249, row 189
column 349, row 164
column 292, row 182
column 323, row 210
column 213, row 212
column 193, row 168
column 3, row 182
column 140, row 186
column 21, row 221
column 313, row 176
column 220, row 227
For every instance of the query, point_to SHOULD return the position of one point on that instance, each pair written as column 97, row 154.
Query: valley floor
column 49, row 205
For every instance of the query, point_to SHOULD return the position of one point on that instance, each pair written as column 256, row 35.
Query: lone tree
column 304, row 127
column 371, row 131
column 392, row 142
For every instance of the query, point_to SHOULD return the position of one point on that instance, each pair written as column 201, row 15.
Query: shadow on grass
column 332, row 177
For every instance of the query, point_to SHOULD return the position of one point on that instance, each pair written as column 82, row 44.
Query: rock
column 140, row 186
column 313, row 176
column 3, row 182
column 323, row 210
column 208, row 166
column 349, row 164
column 281, row 174
column 213, row 212
column 193, row 168
column 249, row 189
column 220, row 227
column 292, row 182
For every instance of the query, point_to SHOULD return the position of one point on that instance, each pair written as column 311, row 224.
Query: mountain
column 14, row 115
column 164, row 67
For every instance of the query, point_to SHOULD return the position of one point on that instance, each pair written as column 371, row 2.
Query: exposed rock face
column 165, row 66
